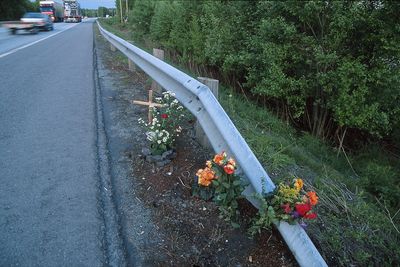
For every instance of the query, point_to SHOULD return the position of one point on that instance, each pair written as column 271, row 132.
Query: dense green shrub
column 318, row 62
column 140, row 16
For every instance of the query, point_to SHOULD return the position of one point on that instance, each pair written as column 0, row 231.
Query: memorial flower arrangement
column 288, row 202
column 164, row 126
column 219, row 181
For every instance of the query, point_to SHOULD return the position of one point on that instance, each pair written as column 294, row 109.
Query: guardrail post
column 132, row 66
column 112, row 48
column 158, row 53
column 200, row 135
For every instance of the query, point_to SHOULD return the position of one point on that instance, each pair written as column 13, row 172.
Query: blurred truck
column 53, row 8
column 72, row 11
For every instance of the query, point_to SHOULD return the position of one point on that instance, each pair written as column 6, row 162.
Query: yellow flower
column 298, row 184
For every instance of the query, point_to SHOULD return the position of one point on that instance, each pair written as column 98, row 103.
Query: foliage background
column 14, row 9
column 327, row 66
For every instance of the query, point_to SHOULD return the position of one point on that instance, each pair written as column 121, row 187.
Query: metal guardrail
column 222, row 134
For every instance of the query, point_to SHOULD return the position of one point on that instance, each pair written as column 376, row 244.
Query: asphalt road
column 54, row 205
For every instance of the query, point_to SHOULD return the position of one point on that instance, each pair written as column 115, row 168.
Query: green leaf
column 235, row 225
column 237, row 182
column 226, row 185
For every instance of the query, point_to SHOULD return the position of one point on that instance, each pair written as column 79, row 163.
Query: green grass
column 359, row 193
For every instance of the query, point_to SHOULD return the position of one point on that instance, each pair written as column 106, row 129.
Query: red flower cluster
column 304, row 211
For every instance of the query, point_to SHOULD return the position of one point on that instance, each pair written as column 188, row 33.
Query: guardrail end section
column 301, row 245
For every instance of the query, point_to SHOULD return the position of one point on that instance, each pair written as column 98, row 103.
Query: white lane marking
column 35, row 42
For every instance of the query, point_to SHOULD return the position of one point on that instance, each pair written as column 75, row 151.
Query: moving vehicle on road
column 72, row 11
column 54, row 9
column 31, row 22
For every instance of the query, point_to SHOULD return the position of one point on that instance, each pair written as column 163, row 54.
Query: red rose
column 164, row 116
column 302, row 209
column 310, row 216
column 229, row 169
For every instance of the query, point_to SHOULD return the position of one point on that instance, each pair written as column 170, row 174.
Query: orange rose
column 312, row 196
column 219, row 158
column 199, row 172
column 209, row 174
column 205, row 176
column 204, row 182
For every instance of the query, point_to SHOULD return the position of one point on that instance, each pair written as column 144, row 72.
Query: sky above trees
column 94, row 4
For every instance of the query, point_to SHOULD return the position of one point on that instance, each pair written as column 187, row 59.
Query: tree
column 14, row 9
column 103, row 11
column 327, row 66
column 332, row 63
column 89, row 12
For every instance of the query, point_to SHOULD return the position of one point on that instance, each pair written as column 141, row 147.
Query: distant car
column 42, row 21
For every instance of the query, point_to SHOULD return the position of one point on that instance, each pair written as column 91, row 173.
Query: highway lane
column 50, row 201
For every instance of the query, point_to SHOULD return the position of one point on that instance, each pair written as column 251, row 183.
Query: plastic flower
column 312, row 196
column 205, row 176
column 287, row 192
column 298, row 184
column 302, row 209
column 229, row 168
column 310, row 216
column 209, row 164
column 220, row 158
column 232, row 162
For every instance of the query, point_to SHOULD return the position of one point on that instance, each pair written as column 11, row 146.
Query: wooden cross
column 148, row 103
